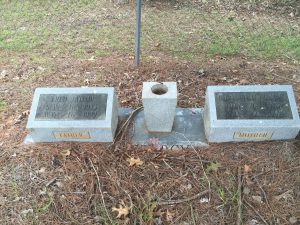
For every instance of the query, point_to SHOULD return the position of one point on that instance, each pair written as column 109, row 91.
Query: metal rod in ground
column 138, row 31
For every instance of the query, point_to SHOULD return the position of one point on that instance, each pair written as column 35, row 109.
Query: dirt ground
column 100, row 183
column 72, row 183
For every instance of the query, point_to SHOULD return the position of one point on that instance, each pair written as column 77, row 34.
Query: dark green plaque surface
column 71, row 107
column 253, row 105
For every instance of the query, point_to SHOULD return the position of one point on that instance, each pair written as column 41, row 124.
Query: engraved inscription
column 71, row 135
column 71, row 107
column 251, row 135
column 253, row 105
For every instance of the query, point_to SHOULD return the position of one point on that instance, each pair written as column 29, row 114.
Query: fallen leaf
column 25, row 113
column 246, row 191
column 3, row 74
column 204, row 200
column 59, row 184
column 293, row 220
column 169, row 216
column 92, row 58
column 97, row 219
column 122, row 211
column 257, row 199
column 21, row 117
column 26, row 211
column 134, row 162
column 65, row 153
column 201, row 71
column 124, row 101
column 157, row 44
column 247, row 168
column 41, row 68
column 87, row 82
column 244, row 81
column 42, row 170
column 213, row 167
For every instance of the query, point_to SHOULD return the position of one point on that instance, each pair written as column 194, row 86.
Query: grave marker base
column 188, row 130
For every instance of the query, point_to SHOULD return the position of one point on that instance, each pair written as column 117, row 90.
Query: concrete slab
column 188, row 130
column 250, row 113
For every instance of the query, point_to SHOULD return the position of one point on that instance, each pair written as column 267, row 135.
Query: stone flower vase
column 159, row 101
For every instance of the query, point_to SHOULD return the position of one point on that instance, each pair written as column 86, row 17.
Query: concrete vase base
column 159, row 101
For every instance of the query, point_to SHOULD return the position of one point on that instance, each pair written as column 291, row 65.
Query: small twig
column 291, row 58
column 265, row 196
column 189, row 85
column 239, row 214
column 183, row 159
column 264, row 172
column 201, row 163
column 133, row 114
column 285, row 78
column 101, row 193
column 171, row 168
column 257, row 213
column 173, row 202
column 125, row 124
column 52, row 181
column 75, row 192
column 118, row 183
column 180, row 176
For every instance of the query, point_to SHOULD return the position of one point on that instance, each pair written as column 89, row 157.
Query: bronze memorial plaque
column 71, row 107
column 253, row 105
column 253, row 135
column 72, row 135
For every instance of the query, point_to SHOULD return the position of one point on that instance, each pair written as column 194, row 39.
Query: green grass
column 145, row 213
column 81, row 28
column 193, row 215
column 2, row 105
column 18, row 40
column 194, row 34
column 227, row 196
column 102, row 216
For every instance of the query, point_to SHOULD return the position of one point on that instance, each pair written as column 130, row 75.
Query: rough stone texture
column 159, row 109
column 70, row 129
column 188, row 130
column 235, row 130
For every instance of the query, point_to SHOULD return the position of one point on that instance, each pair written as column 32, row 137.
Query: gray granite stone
column 250, row 113
column 188, row 130
column 159, row 107
column 73, row 114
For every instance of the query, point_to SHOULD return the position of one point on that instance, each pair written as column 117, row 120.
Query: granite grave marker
column 250, row 113
column 73, row 114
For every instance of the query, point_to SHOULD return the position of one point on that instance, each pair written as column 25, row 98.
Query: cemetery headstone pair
column 231, row 113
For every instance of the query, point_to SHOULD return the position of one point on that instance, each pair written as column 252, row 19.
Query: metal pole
column 138, row 31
